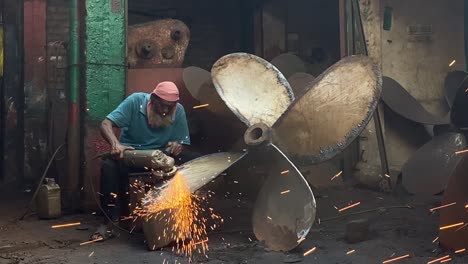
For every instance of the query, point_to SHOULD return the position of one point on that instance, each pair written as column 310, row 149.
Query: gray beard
column 159, row 121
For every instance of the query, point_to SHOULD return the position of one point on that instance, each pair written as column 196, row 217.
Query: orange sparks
column 300, row 240
column 461, row 151
column 66, row 225
column 269, row 217
column 460, row 228
column 446, row 260
column 435, row 239
column 180, row 210
column 350, row 252
column 460, row 251
column 113, row 195
column 451, row 226
column 91, row 241
column 310, row 251
column 466, row 206
column 200, row 106
column 443, row 206
column 397, row 258
column 452, row 63
column 348, row 207
column 439, row 259
column 285, row 192
column 284, row 172
column 336, row 176
column 466, row 90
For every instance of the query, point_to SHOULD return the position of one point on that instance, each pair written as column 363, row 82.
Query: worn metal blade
column 285, row 207
column 194, row 78
column 459, row 111
column 288, row 64
column 254, row 90
column 332, row 113
column 428, row 170
column 456, row 192
column 201, row 171
column 299, row 82
column 401, row 102
column 453, row 81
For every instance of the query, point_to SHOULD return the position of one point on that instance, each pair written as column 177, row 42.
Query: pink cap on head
column 167, row 91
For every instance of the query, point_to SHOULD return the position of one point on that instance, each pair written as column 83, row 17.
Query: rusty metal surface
column 453, row 81
column 299, row 82
column 459, row 111
column 404, row 104
column 456, row 191
column 200, row 171
column 252, row 88
column 332, row 113
column 285, row 207
column 160, row 43
column 288, row 64
column 194, row 78
column 428, row 170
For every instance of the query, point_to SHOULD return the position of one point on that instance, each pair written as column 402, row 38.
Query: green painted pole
column 71, row 188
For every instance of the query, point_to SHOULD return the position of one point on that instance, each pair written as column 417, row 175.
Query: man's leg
column 113, row 173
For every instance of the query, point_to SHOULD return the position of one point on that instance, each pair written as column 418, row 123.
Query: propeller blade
column 455, row 238
column 428, row 170
column 459, row 111
column 254, row 90
column 288, row 64
column 332, row 113
column 299, row 82
column 194, row 78
column 401, row 102
column 202, row 170
column 453, row 80
column 285, row 207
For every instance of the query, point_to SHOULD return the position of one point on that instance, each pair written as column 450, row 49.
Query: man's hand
column 174, row 148
column 118, row 150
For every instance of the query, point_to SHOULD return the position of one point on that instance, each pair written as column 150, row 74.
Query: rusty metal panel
column 12, row 93
column 161, row 43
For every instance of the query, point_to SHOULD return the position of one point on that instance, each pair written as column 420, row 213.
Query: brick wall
column 215, row 26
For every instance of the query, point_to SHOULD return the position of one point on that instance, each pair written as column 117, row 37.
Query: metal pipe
column 377, row 122
column 71, row 189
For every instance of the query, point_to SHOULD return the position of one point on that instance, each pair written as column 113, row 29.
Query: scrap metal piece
column 157, row 43
column 332, row 113
column 453, row 81
column 299, row 82
column 459, row 111
column 194, row 78
column 200, row 171
column 254, row 90
column 456, row 191
column 428, row 170
column 401, row 102
column 288, row 64
column 285, row 207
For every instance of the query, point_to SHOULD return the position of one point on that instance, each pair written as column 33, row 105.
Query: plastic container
column 48, row 203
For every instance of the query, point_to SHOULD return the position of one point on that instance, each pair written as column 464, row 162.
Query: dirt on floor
column 395, row 230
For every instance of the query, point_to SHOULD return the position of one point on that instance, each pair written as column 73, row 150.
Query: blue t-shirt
column 131, row 117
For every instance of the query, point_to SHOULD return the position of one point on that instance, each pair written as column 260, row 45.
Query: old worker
column 147, row 121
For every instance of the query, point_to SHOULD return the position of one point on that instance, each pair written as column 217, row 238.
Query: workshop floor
column 394, row 232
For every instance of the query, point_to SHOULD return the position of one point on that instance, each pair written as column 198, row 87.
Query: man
column 147, row 121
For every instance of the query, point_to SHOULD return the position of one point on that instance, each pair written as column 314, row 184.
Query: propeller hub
column 257, row 134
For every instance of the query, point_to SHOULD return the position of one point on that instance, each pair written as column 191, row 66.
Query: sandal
column 102, row 233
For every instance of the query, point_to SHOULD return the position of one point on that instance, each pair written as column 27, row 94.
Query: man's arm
column 107, row 133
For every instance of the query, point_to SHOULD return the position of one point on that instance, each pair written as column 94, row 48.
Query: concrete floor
column 394, row 232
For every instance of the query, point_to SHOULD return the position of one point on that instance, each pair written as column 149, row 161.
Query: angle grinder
column 157, row 162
